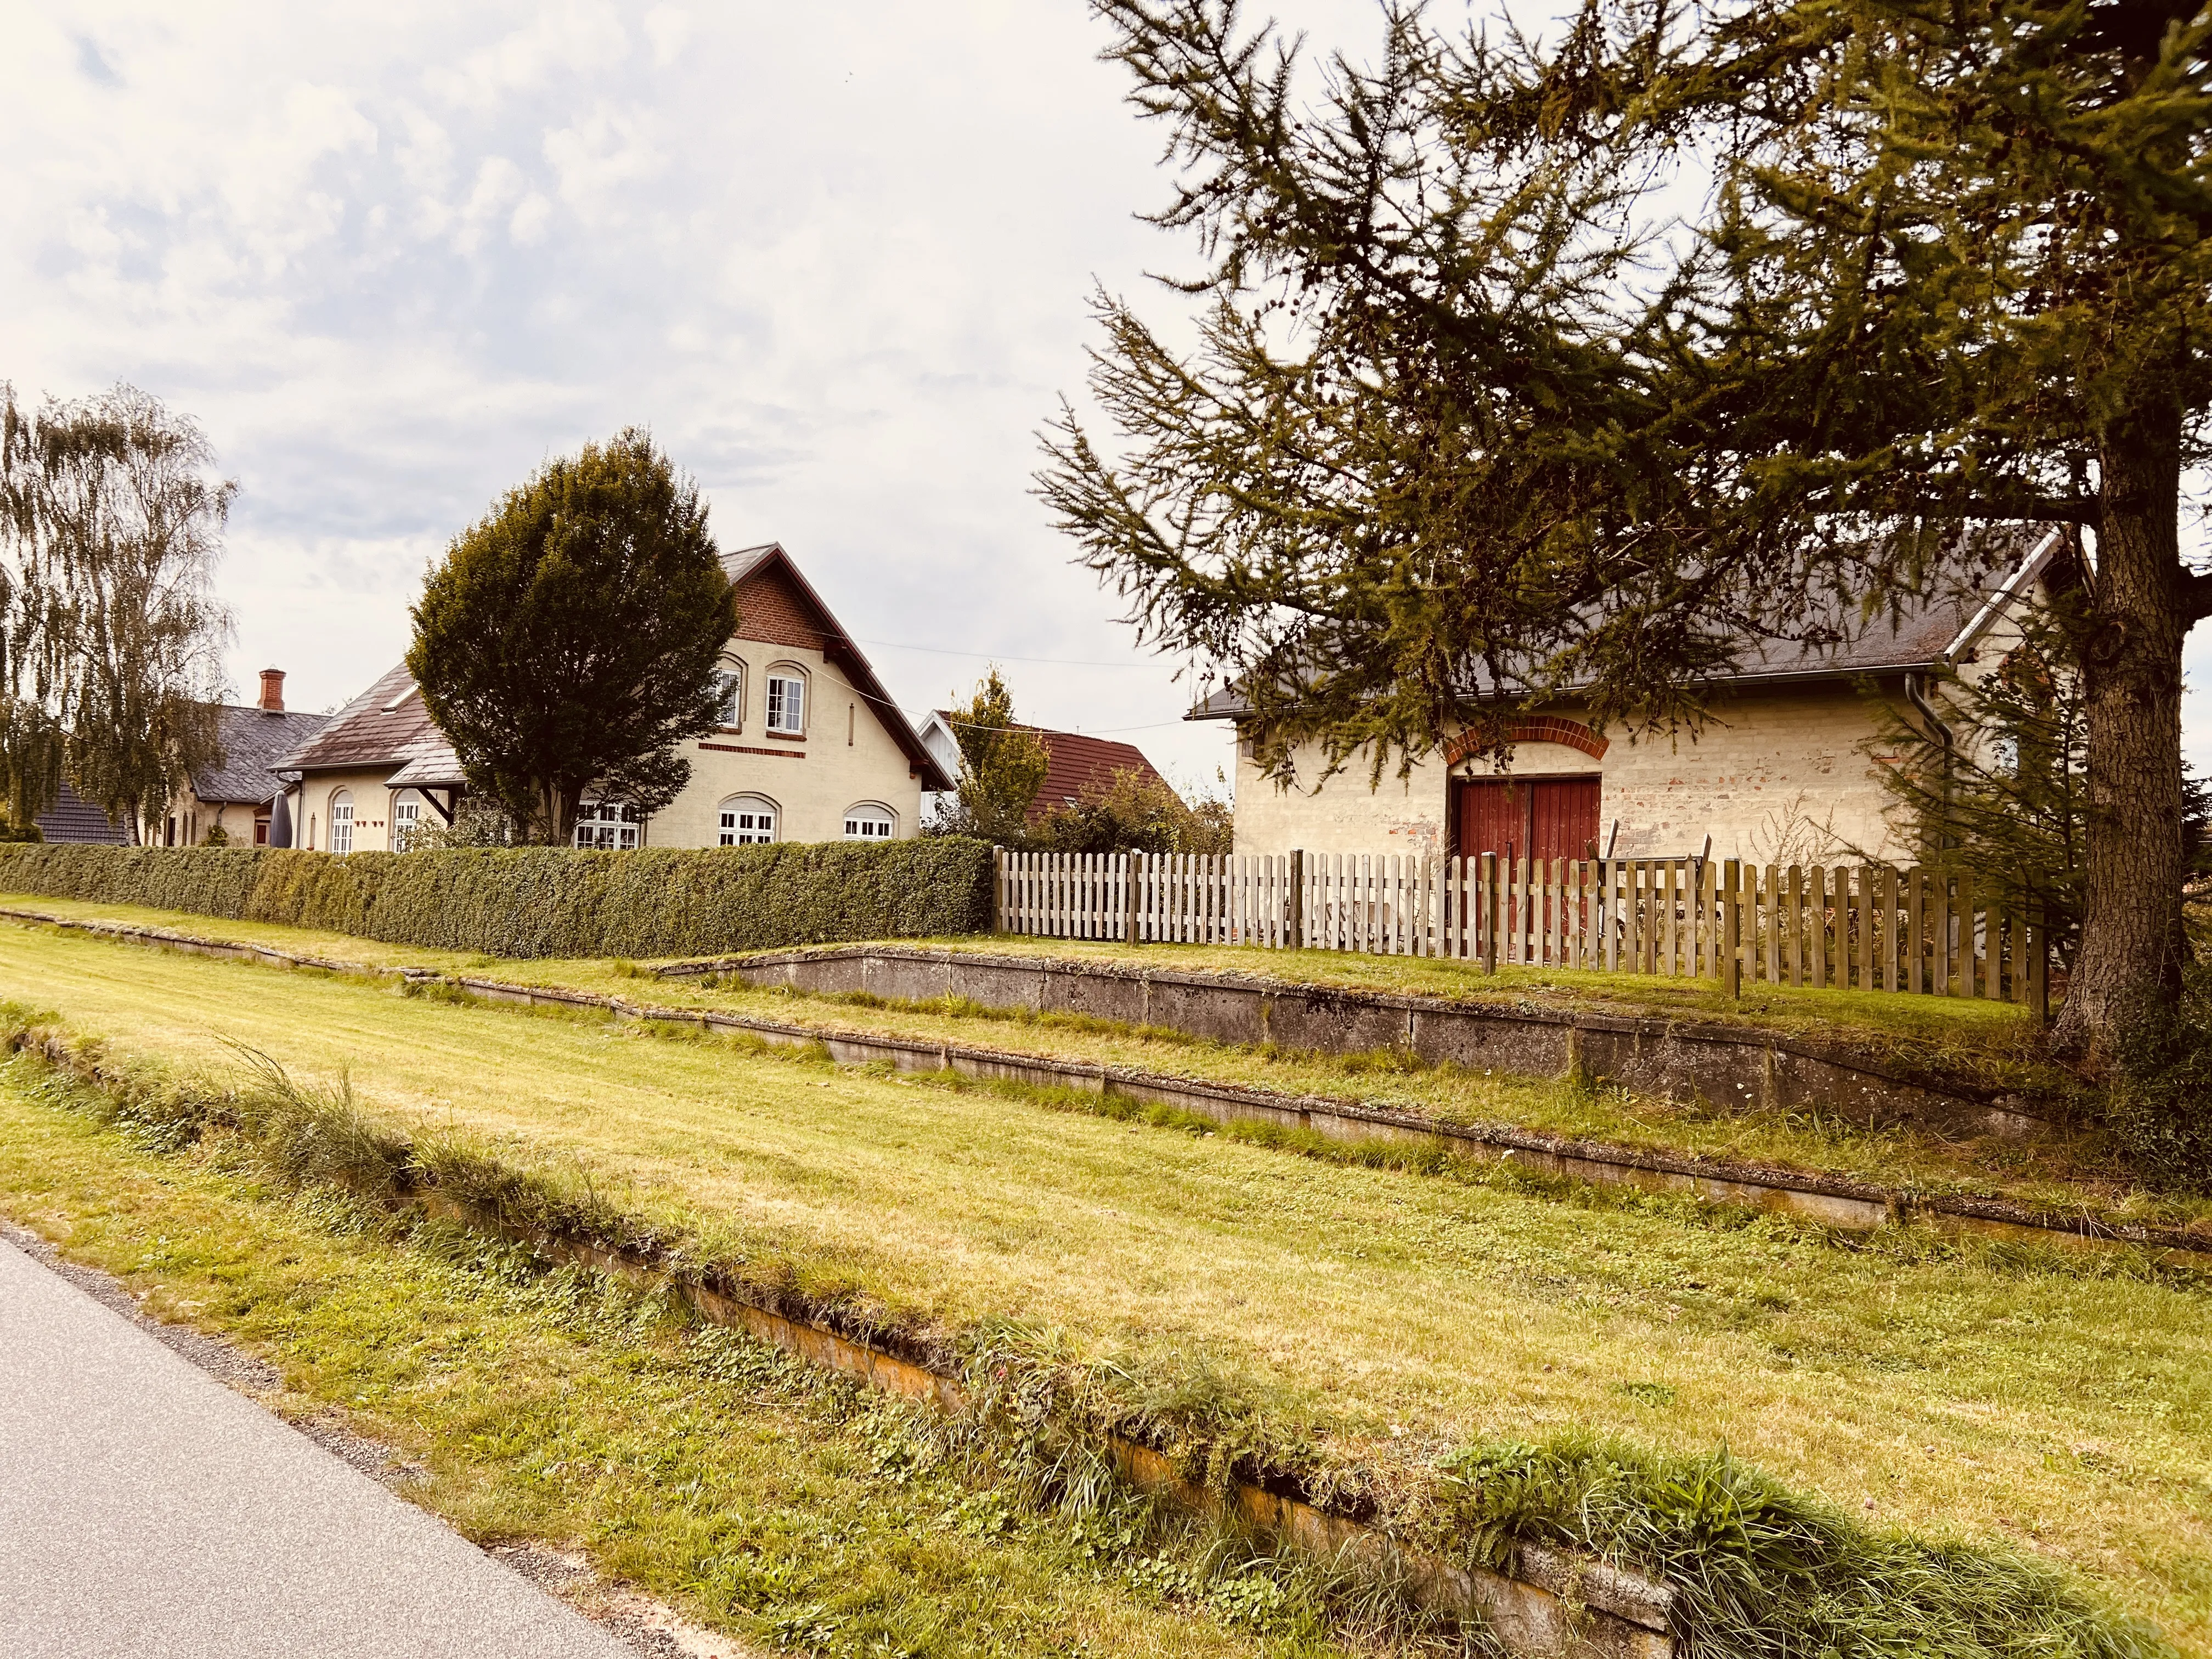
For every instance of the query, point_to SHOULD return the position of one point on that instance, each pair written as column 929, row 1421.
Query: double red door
column 1525, row 817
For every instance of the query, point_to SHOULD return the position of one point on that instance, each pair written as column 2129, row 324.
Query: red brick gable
column 772, row 609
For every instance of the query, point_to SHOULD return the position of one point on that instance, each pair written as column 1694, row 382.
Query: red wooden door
column 1563, row 818
column 1493, row 816
column 1526, row 817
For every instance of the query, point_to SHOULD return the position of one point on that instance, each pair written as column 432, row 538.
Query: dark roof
column 379, row 726
column 1919, row 635
column 253, row 741
column 72, row 819
column 837, row 648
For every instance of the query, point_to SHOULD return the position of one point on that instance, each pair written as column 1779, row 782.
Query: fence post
column 1297, row 939
column 1486, row 910
column 1732, row 925
column 997, row 890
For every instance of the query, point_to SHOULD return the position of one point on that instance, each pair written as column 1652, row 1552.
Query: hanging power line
column 998, row 656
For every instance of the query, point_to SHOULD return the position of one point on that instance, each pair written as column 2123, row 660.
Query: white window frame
column 733, row 829
column 733, row 696
column 610, row 826
column 406, row 819
column 341, row 823
column 870, row 820
column 783, row 680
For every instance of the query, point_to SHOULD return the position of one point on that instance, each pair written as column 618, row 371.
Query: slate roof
column 73, row 819
column 1919, row 636
column 253, row 741
column 384, row 725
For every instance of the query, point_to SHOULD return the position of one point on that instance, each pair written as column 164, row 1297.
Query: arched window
column 730, row 686
column 747, row 821
column 341, row 823
column 786, row 700
column 406, row 820
column 613, row 826
column 870, row 820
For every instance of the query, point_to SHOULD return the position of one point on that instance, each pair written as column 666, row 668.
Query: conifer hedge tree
column 572, row 638
column 1529, row 365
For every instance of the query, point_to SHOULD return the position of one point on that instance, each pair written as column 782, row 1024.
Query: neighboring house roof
column 253, row 741
column 380, row 726
column 387, row 724
column 1075, row 765
column 74, row 819
column 1918, row 636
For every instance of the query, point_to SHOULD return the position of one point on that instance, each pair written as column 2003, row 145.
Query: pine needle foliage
column 1537, row 367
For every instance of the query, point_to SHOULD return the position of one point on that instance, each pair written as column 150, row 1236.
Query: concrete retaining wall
column 1720, row 1066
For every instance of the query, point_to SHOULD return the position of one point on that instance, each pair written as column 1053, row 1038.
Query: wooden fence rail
column 1870, row 927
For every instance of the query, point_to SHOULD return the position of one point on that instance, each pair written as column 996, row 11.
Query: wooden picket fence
column 1870, row 927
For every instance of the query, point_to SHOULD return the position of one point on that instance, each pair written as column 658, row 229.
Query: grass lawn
column 2075, row 1173
column 740, row 1485
column 2022, row 1401
column 1995, row 1038
column 1968, row 1030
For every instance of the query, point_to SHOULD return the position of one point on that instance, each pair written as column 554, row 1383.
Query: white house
column 1786, row 770
column 811, row 748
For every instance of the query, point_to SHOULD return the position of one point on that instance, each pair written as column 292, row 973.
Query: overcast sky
column 393, row 256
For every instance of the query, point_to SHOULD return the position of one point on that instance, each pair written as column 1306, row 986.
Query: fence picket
column 1908, row 931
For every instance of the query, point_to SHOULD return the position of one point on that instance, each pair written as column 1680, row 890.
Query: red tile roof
column 1080, row 765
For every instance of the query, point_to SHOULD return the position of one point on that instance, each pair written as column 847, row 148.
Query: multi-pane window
column 869, row 822
column 406, row 820
column 342, row 823
column 612, row 825
column 786, row 704
column 746, row 821
column 730, row 688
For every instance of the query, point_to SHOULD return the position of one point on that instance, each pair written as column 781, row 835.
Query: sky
column 837, row 257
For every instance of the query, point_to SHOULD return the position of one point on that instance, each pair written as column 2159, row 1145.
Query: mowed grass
column 753, row 1494
column 1968, row 1030
column 2028, row 1399
column 2073, row 1172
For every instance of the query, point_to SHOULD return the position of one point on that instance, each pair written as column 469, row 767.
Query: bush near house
column 547, row 901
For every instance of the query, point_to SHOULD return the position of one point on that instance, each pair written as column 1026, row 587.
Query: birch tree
column 113, row 512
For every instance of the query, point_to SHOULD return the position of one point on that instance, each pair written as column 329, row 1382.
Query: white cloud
column 394, row 255
column 576, row 39
column 669, row 29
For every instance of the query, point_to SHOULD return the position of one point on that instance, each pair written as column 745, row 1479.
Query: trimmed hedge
column 548, row 901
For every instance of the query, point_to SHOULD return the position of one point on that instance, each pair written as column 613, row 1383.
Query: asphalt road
column 148, row 1512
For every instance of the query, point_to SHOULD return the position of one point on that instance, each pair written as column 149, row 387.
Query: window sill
column 785, row 736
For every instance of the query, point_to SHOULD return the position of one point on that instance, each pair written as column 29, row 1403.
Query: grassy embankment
column 2022, row 1401
column 731, row 1482
column 2074, row 1172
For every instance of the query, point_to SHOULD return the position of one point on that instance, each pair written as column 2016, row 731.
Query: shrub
column 546, row 901
column 2160, row 1101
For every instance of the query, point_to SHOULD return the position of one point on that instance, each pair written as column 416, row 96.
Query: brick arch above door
column 1537, row 728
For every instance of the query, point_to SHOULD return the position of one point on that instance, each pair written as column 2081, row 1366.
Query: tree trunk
column 2132, row 944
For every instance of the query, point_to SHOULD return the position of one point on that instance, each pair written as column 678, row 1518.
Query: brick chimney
column 272, row 690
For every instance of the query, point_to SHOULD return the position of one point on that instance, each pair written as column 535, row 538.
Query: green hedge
column 546, row 901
